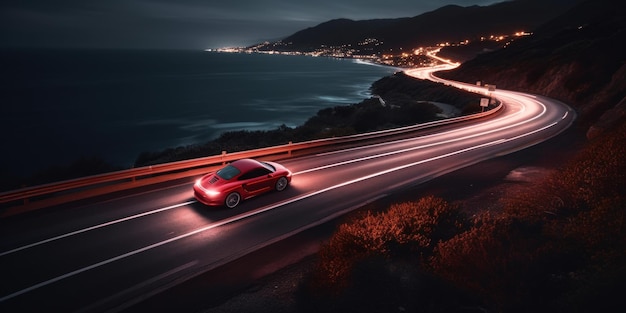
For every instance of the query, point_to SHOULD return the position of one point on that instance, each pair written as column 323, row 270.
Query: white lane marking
column 532, row 132
column 301, row 172
column 243, row 216
column 233, row 219
column 256, row 212
column 96, row 227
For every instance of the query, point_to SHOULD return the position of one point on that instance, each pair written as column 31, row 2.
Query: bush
column 504, row 261
column 406, row 231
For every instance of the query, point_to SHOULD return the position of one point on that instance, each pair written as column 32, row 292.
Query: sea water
column 60, row 105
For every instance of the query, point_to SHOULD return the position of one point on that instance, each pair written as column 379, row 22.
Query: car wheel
column 232, row 200
column 282, row 183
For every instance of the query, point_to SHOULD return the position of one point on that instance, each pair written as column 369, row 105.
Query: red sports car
column 239, row 180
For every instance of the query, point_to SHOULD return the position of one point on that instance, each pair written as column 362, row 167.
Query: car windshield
column 228, row 172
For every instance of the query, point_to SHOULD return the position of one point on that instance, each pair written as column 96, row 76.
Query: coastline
column 151, row 107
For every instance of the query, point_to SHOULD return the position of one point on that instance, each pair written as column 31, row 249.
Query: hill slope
column 578, row 58
column 450, row 23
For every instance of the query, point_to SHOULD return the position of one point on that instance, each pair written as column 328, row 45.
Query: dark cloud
column 184, row 24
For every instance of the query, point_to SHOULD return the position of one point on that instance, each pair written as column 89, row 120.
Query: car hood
column 212, row 181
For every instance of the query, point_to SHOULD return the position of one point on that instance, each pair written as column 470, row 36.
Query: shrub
column 505, row 261
column 406, row 231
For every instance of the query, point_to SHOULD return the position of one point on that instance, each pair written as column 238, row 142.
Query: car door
column 256, row 181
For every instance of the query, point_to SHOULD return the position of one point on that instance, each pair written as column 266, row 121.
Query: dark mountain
column 578, row 57
column 338, row 32
column 450, row 23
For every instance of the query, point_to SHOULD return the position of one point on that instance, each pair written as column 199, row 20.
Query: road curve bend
column 106, row 254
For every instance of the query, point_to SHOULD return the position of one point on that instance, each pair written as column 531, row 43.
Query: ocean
column 60, row 105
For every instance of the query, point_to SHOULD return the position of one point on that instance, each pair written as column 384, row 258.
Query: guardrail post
column 289, row 149
column 223, row 155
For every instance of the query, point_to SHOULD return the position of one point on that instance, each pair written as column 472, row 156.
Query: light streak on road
column 211, row 226
column 338, row 176
column 80, row 231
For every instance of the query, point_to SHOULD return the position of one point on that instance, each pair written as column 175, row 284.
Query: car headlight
column 212, row 193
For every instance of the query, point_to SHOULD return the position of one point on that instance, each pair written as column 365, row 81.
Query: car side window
column 257, row 172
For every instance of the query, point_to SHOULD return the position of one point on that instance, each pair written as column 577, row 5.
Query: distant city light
column 369, row 49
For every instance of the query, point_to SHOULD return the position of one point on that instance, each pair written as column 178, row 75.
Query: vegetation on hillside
column 406, row 101
column 557, row 246
column 577, row 58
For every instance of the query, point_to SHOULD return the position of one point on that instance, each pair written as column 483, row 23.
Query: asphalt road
column 106, row 254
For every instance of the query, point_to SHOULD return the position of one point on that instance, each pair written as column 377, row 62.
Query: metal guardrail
column 185, row 168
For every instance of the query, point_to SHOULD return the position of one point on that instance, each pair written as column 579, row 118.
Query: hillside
column 577, row 58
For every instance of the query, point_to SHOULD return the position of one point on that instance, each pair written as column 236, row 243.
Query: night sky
column 185, row 24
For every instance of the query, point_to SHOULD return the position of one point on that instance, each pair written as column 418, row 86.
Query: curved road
column 106, row 254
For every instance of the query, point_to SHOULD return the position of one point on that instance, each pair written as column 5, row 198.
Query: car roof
column 245, row 165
